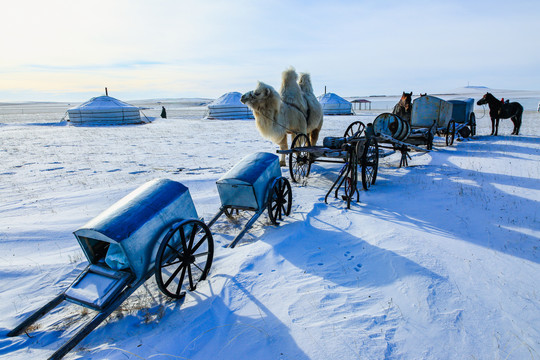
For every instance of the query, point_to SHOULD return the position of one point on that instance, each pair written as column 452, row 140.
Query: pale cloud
column 187, row 48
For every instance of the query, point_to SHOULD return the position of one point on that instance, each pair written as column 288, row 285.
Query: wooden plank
column 317, row 151
column 392, row 140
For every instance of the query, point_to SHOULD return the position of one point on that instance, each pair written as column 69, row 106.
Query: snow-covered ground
column 439, row 260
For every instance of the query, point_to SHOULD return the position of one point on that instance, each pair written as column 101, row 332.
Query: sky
column 60, row 50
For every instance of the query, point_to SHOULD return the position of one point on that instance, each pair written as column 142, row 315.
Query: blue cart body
column 428, row 109
column 122, row 241
column 462, row 109
column 246, row 185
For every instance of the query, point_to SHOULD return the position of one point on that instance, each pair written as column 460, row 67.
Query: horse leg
column 283, row 146
column 496, row 126
column 492, row 126
column 517, row 124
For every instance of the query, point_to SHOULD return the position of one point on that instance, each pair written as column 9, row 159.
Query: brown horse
column 499, row 110
column 403, row 108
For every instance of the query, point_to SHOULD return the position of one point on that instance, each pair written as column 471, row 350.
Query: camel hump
column 305, row 83
column 290, row 90
column 289, row 75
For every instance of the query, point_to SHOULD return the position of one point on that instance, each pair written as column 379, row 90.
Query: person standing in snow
column 163, row 112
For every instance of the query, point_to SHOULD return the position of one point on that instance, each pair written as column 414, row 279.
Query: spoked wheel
column 450, row 132
column 279, row 200
column 355, row 129
column 370, row 162
column 472, row 123
column 184, row 258
column 299, row 161
column 350, row 185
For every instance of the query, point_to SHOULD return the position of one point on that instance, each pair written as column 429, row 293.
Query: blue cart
column 154, row 230
column 254, row 184
column 463, row 118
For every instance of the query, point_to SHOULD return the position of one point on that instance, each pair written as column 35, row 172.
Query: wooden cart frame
column 354, row 150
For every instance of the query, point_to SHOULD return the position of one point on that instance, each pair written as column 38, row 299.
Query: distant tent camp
column 105, row 110
column 333, row 104
column 229, row 107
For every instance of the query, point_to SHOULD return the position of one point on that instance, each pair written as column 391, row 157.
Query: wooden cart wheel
column 370, row 162
column 279, row 200
column 299, row 161
column 355, row 129
column 184, row 257
column 472, row 123
column 450, row 132
column 350, row 186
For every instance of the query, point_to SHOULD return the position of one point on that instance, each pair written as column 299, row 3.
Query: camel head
column 263, row 96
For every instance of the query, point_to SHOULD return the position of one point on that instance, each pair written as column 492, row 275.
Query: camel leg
column 283, row 146
column 314, row 136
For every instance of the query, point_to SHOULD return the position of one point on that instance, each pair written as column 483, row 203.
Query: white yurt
column 229, row 107
column 333, row 104
column 105, row 110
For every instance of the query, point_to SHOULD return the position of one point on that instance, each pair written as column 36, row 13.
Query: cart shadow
column 521, row 139
column 331, row 252
column 485, row 209
column 205, row 328
column 19, row 345
column 490, row 146
column 208, row 329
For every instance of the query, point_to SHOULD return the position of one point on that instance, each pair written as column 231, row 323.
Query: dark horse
column 403, row 108
column 499, row 110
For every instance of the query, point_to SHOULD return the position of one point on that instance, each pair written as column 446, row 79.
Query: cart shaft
column 96, row 321
column 37, row 315
column 217, row 216
column 246, row 228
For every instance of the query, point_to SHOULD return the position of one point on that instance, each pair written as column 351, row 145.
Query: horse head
column 486, row 99
column 406, row 100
